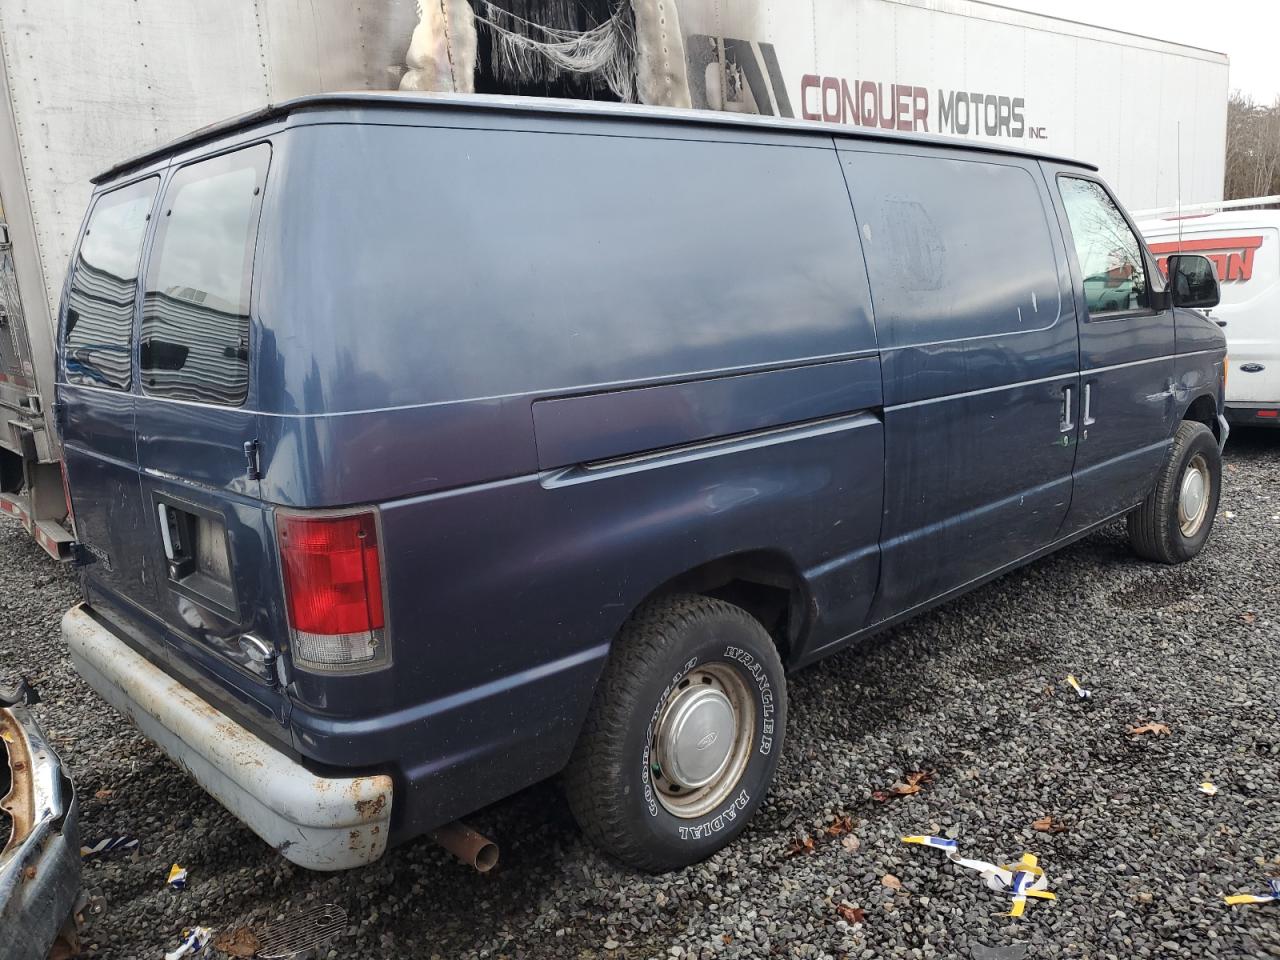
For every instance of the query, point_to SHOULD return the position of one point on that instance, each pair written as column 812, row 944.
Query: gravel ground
column 973, row 692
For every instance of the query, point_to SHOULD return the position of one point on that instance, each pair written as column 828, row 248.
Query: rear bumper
column 1253, row 414
column 40, row 865
column 321, row 823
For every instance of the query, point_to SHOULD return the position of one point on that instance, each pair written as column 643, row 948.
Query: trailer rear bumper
column 317, row 822
column 53, row 538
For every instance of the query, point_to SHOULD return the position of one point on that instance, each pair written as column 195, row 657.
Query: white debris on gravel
column 1140, row 870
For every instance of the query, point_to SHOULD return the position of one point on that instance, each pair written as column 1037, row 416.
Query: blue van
column 423, row 448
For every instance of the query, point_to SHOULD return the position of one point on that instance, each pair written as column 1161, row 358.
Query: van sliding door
column 979, row 356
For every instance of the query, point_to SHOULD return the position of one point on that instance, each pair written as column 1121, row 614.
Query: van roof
column 533, row 106
column 1211, row 222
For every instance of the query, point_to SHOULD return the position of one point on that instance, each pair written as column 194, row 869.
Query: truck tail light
column 332, row 571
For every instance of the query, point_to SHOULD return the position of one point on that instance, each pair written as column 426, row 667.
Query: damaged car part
column 40, row 862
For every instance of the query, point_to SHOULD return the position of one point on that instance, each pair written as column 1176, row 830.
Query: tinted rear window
column 195, row 317
column 104, row 279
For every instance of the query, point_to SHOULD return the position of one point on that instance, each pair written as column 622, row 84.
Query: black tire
column 613, row 779
column 1155, row 529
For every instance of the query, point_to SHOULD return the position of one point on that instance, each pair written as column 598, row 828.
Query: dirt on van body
column 969, row 703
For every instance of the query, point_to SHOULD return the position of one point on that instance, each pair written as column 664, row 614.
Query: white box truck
column 86, row 85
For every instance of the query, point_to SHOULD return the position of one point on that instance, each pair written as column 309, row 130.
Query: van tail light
column 332, row 569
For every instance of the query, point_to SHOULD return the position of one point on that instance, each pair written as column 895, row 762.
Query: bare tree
column 1253, row 148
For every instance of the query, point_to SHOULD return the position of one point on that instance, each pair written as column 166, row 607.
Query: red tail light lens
column 333, row 587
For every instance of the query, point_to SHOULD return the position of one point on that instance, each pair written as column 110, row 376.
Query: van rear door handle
column 1086, row 415
column 1066, row 423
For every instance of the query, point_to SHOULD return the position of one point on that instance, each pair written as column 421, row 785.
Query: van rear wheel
column 683, row 736
column 1175, row 520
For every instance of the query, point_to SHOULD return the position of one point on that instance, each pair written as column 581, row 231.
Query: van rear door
column 159, row 429
column 206, row 529
column 95, row 398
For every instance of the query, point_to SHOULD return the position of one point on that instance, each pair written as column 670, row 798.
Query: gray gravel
column 973, row 692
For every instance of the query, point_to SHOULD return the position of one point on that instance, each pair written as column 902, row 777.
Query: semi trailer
column 87, row 85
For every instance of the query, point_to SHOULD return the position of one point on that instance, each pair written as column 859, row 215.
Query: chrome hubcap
column 701, row 742
column 1193, row 497
column 697, row 735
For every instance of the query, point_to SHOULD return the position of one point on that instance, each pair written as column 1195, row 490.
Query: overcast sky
column 1248, row 31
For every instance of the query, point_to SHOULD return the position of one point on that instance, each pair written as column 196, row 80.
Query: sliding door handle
column 1066, row 423
column 1086, row 415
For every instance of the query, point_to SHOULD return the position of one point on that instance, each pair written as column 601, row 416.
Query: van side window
column 955, row 249
column 1115, row 276
column 98, row 332
column 195, row 315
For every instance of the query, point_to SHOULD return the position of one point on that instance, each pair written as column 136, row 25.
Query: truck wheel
column 683, row 735
column 1174, row 521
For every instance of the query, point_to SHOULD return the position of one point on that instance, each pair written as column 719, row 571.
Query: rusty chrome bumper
column 40, row 863
column 322, row 823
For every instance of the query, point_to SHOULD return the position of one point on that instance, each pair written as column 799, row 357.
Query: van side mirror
column 1193, row 282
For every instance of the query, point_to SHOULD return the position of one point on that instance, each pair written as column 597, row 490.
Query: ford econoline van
column 1244, row 246
column 422, row 448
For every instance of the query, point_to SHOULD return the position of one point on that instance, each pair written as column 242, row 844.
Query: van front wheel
column 1174, row 521
column 683, row 735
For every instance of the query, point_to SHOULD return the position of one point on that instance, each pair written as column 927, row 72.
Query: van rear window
column 104, row 278
column 195, row 315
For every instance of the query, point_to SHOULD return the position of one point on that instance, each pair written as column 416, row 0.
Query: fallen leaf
column 1159, row 729
column 241, row 942
column 103, row 794
column 801, row 846
column 1047, row 824
column 851, row 914
column 840, row 826
column 890, row 881
column 912, row 783
column 726, row 938
column 851, row 844
column 1249, row 617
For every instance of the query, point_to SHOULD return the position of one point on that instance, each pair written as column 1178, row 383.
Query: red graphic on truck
column 1233, row 256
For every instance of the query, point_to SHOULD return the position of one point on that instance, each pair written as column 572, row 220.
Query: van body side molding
column 603, row 426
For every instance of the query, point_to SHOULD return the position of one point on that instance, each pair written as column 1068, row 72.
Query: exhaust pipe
column 468, row 846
